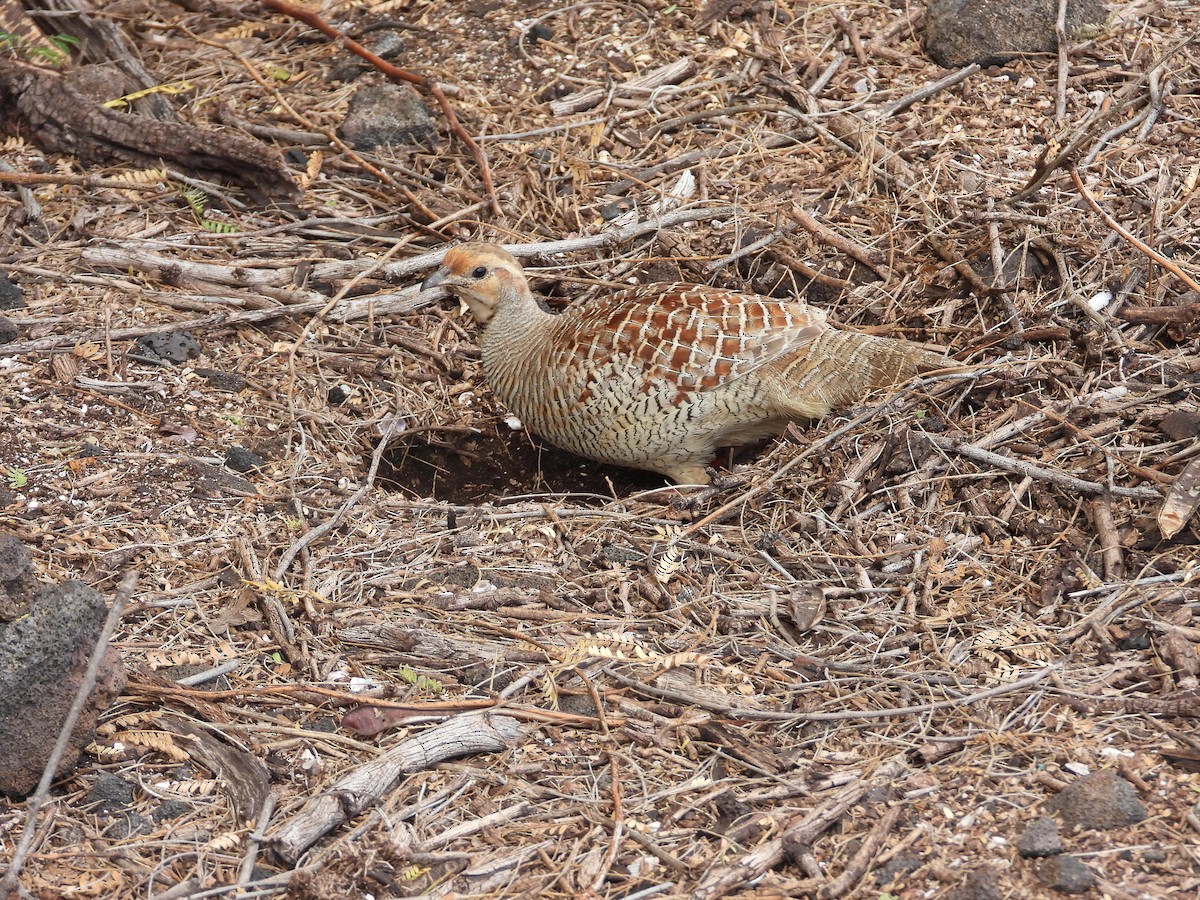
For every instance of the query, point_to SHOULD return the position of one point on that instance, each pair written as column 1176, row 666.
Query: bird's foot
column 691, row 499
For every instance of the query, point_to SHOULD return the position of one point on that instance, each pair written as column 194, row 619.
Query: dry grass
column 869, row 617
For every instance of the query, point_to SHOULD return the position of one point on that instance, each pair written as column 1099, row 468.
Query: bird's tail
column 840, row 368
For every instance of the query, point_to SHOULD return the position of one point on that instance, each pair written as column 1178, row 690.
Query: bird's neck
column 519, row 322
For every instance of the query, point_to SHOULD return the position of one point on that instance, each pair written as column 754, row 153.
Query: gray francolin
column 661, row 376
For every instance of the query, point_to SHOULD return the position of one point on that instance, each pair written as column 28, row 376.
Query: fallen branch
column 671, row 73
column 1037, row 473
column 58, row 117
column 801, row 832
column 406, row 268
column 363, row 786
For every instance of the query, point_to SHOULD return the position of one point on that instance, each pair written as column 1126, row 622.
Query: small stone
column 173, row 346
column 8, row 330
column 1066, row 874
column 1137, row 639
column 387, row 115
column 960, row 32
column 10, row 294
column 169, row 809
column 1040, row 839
column 242, row 460
column 979, row 884
column 110, row 794
column 1180, row 425
column 1154, row 855
column 896, row 867
column 614, row 210
column 1100, row 801
column 225, row 382
column 15, row 558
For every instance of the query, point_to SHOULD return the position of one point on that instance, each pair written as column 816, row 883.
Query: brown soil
column 859, row 670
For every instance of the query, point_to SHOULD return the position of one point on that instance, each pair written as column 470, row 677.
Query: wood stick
column 1038, row 473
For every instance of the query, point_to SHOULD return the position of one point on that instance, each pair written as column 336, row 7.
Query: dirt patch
column 487, row 466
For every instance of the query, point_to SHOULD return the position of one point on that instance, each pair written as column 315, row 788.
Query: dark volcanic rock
column 385, row 115
column 242, row 460
column 1066, row 874
column 223, row 381
column 44, row 652
column 1101, row 800
column 1180, row 425
column 1040, row 839
column 960, row 32
column 174, row 346
column 10, row 294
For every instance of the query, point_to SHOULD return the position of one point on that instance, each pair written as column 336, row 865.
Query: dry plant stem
column 1037, row 473
column 1129, row 238
column 759, row 715
column 125, row 590
column 837, row 242
column 618, row 828
column 398, row 74
column 87, row 181
column 936, row 87
column 802, row 832
column 1110, row 541
column 256, row 837
column 1060, row 31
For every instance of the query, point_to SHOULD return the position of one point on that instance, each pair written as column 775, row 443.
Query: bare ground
column 860, row 671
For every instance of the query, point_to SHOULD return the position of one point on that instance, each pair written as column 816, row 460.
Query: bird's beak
column 434, row 280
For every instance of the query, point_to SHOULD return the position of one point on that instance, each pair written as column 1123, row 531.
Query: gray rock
column 896, row 868
column 979, row 884
column 43, row 656
column 386, row 115
column 1180, row 425
column 110, row 794
column 960, row 32
column 242, row 460
column 174, row 346
column 1040, row 839
column 1066, row 874
column 1101, row 800
column 227, row 382
column 10, row 294
column 16, row 562
column 8, row 330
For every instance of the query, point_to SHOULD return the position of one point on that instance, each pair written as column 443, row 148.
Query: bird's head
column 482, row 275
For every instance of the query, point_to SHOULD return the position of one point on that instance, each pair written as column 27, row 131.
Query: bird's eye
column 479, row 271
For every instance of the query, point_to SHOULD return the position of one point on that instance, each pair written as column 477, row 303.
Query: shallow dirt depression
column 465, row 466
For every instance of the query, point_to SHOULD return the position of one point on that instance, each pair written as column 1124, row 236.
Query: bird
column 661, row 376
